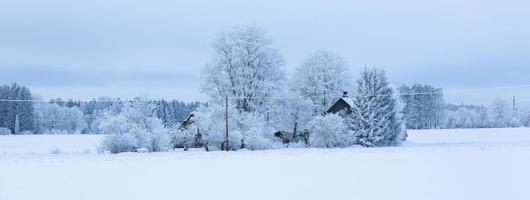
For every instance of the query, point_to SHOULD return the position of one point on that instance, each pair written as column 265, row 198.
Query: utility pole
column 514, row 108
column 226, row 122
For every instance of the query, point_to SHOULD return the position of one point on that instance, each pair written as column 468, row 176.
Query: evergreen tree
column 376, row 119
column 16, row 100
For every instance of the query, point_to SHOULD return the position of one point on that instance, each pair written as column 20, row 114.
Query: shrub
column 26, row 133
column 255, row 140
column 159, row 140
column 329, row 131
column 5, row 131
column 117, row 143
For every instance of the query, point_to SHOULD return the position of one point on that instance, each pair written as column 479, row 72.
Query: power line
column 274, row 97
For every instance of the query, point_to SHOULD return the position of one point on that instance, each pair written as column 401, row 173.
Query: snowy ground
column 435, row 164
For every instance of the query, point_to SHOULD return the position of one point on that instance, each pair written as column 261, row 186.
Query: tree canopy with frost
column 245, row 67
column 321, row 78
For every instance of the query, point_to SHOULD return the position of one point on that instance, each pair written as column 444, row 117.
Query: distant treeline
column 423, row 108
column 21, row 114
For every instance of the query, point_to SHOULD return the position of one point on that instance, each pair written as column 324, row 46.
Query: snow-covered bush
column 117, row 143
column 256, row 135
column 159, row 140
column 26, row 133
column 209, row 123
column 499, row 113
column 329, row 131
column 5, row 131
column 134, row 128
column 254, row 140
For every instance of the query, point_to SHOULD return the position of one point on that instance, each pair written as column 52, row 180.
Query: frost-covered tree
column 423, row 106
column 246, row 129
column 290, row 114
column 321, row 78
column 465, row 116
column 245, row 67
column 329, row 131
column 375, row 118
column 96, row 109
column 499, row 113
column 209, row 126
column 52, row 118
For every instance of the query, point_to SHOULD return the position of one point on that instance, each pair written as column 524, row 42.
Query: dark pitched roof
column 344, row 103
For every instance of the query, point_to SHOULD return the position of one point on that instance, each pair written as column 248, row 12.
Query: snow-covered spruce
column 375, row 118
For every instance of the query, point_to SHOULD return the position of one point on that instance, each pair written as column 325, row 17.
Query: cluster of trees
column 246, row 80
column 16, row 109
column 499, row 114
column 252, row 98
column 424, row 108
column 173, row 112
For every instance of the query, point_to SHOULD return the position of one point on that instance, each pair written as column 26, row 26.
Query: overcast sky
column 474, row 49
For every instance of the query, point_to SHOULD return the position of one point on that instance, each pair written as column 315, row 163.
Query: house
column 343, row 104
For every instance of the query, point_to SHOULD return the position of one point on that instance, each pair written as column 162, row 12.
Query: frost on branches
column 136, row 128
column 329, row 131
column 247, row 70
column 375, row 118
column 321, row 78
column 246, row 129
column 245, row 67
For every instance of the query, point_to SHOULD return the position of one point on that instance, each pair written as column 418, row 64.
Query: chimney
column 344, row 94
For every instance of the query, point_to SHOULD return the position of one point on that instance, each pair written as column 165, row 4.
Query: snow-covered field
column 434, row 164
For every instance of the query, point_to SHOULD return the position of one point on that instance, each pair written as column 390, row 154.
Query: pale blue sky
column 125, row 48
